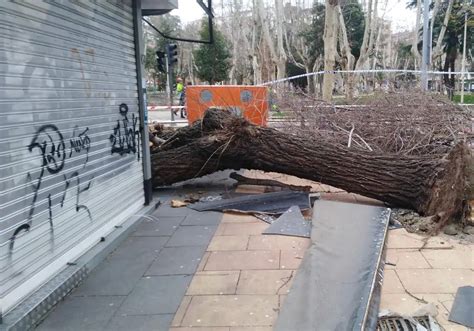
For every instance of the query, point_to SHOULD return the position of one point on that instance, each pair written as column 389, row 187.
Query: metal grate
column 397, row 323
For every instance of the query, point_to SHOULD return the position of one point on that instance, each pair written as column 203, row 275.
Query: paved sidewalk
column 141, row 284
column 426, row 270
column 188, row 271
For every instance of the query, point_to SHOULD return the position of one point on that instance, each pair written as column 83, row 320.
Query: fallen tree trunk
column 242, row 180
column 431, row 184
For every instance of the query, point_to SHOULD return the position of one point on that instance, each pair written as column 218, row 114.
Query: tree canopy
column 212, row 61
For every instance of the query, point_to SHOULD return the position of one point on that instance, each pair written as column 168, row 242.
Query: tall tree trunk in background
column 281, row 53
column 415, row 38
column 347, row 53
column 438, row 50
column 450, row 62
column 364, row 49
column 330, row 40
column 433, row 18
column 277, row 51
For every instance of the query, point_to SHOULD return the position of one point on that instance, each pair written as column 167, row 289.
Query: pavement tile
column 270, row 242
column 162, row 226
column 113, row 277
column 456, row 258
column 231, row 310
column 282, row 300
column 178, row 317
column 241, row 229
column 220, row 229
column 165, row 209
column 443, row 302
column 143, row 248
column 243, row 260
column 140, row 323
column 82, row 313
column 435, row 280
column 405, row 304
column 228, row 243
column 438, row 243
column 265, row 281
column 156, row 295
column 239, row 218
column 214, row 282
column 405, row 259
column 203, row 218
column 198, row 235
column 203, row 261
column 400, row 238
column 291, row 259
column 391, row 283
column 177, row 261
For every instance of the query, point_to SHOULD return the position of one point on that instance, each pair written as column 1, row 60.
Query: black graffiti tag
column 49, row 141
column 125, row 135
column 80, row 142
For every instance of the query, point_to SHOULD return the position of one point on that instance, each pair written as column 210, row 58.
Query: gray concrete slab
column 158, row 226
column 156, row 295
column 147, row 277
column 113, row 277
column 177, row 261
column 192, row 235
column 140, row 323
column 144, row 248
column 203, row 218
column 82, row 313
column 165, row 209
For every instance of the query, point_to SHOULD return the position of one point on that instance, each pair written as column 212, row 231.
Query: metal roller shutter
column 70, row 160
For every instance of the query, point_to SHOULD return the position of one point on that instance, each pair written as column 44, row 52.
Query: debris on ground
column 242, row 180
column 422, row 319
column 178, row 203
column 269, row 203
column 328, row 292
column 462, row 311
column 290, row 223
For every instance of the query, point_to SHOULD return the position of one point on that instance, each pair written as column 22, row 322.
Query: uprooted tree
column 432, row 185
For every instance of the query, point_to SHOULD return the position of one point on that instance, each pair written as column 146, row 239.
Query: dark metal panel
column 272, row 203
column 291, row 223
column 336, row 285
column 463, row 307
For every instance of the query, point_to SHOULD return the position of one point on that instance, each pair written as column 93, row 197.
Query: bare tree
column 276, row 48
column 330, row 40
column 415, row 39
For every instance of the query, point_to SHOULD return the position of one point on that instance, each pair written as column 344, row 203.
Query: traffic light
column 172, row 53
column 160, row 61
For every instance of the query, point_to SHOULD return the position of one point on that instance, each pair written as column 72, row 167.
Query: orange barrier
column 251, row 102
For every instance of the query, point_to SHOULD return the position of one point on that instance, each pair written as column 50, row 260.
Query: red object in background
column 250, row 102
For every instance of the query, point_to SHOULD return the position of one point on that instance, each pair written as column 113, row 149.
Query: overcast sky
column 402, row 18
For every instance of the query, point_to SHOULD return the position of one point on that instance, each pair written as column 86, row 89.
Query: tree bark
column 330, row 39
column 431, row 185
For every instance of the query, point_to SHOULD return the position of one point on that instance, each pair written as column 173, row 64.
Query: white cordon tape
column 366, row 72
column 164, row 107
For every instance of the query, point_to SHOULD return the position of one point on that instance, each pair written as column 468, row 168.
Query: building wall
column 70, row 153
